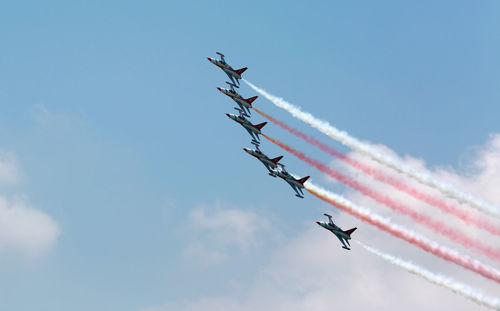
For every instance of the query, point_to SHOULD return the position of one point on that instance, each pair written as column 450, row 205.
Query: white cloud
column 23, row 229
column 26, row 230
column 312, row 272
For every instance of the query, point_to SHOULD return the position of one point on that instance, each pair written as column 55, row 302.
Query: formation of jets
column 272, row 165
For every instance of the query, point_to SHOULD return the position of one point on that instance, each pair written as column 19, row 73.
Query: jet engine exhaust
column 457, row 287
column 436, row 226
column 417, row 240
column 353, row 143
column 465, row 216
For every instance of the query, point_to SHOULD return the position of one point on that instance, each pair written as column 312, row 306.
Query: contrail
column 423, row 243
column 437, row 226
column 459, row 288
column 351, row 142
column 465, row 216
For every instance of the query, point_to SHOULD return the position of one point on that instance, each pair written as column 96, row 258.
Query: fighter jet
column 296, row 184
column 243, row 103
column 268, row 163
column 253, row 130
column 231, row 73
column 343, row 236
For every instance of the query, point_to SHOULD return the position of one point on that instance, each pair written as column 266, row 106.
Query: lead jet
column 268, row 163
column 296, row 184
column 231, row 73
column 253, row 130
column 343, row 236
column 242, row 102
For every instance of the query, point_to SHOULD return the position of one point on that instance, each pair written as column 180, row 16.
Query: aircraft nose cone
column 209, row 59
column 227, row 114
column 318, row 223
column 219, row 89
column 245, row 149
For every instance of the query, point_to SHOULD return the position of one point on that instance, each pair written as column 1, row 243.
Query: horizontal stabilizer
column 276, row 160
column 260, row 125
column 240, row 71
column 350, row 231
column 303, row 180
column 251, row 99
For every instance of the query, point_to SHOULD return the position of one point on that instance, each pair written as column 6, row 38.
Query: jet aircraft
column 268, row 163
column 296, row 184
column 242, row 102
column 231, row 73
column 253, row 130
column 343, row 236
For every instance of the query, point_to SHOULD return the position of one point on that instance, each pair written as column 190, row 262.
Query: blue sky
column 111, row 112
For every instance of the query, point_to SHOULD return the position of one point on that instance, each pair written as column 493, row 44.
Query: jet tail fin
column 277, row 159
column 350, row 231
column 251, row 99
column 260, row 125
column 303, row 180
column 240, row 71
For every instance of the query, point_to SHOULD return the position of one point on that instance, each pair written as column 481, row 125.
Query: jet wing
column 251, row 134
column 248, row 109
column 342, row 241
column 242, row 108
column 265, row 164
column 295, row 189
column 230, row 77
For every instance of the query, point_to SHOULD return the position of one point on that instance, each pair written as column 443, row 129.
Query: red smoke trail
column 404, row 234
column 451, row 209
column 436, row 226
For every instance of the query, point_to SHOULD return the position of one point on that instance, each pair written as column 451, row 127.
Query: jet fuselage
column 334, row 229
column 225, row 67
column 261, row 157
column 253, row 130
column 235, row 96
column 288, row 178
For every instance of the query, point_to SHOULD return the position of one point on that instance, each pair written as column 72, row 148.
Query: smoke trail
column 419, row 241
column 380, row 176
column 436, row 226
column 351, row 142
column 459, row 288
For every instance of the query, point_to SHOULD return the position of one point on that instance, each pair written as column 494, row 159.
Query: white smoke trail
column 353, row 143
column 401, row 232
column 459, row 288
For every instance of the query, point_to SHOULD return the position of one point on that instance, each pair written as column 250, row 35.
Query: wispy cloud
column 221, row 229
column 311, row 272
column 9, row 168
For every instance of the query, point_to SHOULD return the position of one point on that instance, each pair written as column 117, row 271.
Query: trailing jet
column 268, row 163
column 242, row 102
column 339, row 233
column 231, row 73
column 253, row 130
column 296, row 184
